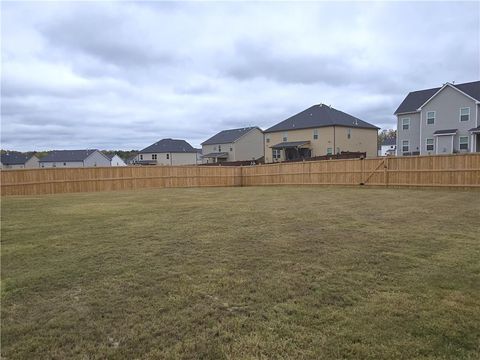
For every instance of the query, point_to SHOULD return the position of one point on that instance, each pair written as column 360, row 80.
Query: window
column 267, row 140
column 168, row 156
column 430, row 117
column 141, row 157
column 329, row 151
column 276, row 154
column 405, row 123
column 463, row 142
column 231, row 149
column 465, row 114
column 315, row 134
column 64, row 164
column 219, row 148
column 405, row 146
column 430, row 145
column 285, row 136
column 349, row 133
column 154, row 156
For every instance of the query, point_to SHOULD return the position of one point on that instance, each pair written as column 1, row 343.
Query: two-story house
column 442, row 120
column 316, row 131
column 234, row 145
column 167, row 152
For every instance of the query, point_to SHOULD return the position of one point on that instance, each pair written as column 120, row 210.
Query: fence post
column 385, row 171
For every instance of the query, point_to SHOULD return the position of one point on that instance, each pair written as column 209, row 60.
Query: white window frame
column 285, row 136
column 349, row 133
column 154, row 156
column 219, row 148
column 168, row 156
column 276, row 154
column 329, row 151
column 267, row 139
column 460, row 114
column 460, row 143
column 434, row 117
column 141, row 157
column 403, row 146
column 404, row 122
column 315, row 134
column 427, row 144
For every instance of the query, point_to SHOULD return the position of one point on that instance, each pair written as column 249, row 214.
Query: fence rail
column 419, row 171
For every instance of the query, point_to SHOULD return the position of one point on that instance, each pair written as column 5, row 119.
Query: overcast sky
column 124, row 75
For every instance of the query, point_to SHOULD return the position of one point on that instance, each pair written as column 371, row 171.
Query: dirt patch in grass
column 273, row 272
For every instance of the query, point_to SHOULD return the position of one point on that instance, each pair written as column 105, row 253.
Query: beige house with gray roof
column 241, row 144
column 317, row 131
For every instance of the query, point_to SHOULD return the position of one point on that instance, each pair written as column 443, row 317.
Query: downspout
column 334, row 147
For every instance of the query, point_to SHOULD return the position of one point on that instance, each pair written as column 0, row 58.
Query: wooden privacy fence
column 441, row 171
column 420, row 171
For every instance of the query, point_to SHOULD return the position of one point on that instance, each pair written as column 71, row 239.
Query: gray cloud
column 123, row 75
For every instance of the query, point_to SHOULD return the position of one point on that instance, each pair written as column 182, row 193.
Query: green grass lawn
column 242, row 273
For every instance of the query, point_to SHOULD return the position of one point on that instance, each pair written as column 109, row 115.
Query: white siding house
column 74, row 158
column 167, row 152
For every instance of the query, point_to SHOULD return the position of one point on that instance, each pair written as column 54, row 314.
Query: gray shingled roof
column 320, row 116
column 169, row 146
column 228, row 136
column 389, row 141
column 216, row 155
column 415, row 99
column 15, row 158
column 290, row 144
column 67, row 155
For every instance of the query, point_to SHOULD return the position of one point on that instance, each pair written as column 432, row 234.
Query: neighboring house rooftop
column 68, row 155
column 415, row 99
column 389, row 141
column 229, row 136
column 15, row 158
column 320, row 116
column 169, row 146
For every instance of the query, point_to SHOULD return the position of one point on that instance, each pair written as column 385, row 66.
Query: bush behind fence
column 420, row 171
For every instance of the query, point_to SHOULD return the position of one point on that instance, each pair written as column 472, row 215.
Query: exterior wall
column 207, row 149
column 447, row 106
column 170, row 158
column 332, row 138
column 250, row 146
column 32, row 162
column 96, row 159
column 13, row 166
column 61, row 164
column 412, row 134
column 384, row 148
column 117, row 161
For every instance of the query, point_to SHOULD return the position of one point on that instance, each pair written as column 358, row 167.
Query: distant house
column 74, row 158
column 317, row 131
column 116, row 160
column 199, row 155
column 388, row 147
column 167, row 152
column 442, row 120
column 234, row 145
column 17, row 160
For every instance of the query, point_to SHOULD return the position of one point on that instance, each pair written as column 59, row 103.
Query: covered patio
column 216, row 157
column 294, row 149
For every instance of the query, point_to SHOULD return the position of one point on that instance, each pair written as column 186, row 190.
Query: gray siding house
column 241, row 144
column 74, row 158
column 441, row 120
column 167, row 152
column 17, row 160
